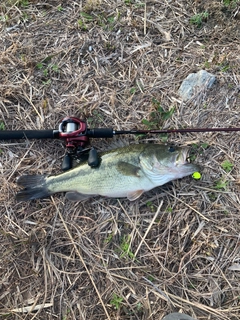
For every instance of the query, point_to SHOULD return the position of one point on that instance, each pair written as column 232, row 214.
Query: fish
column 125, row 172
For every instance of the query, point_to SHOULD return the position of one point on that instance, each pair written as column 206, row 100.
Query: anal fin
column 77, row 196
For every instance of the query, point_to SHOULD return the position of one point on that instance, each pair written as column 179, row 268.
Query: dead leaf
column 235, row 267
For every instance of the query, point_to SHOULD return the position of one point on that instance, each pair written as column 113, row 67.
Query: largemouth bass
column 123, row 172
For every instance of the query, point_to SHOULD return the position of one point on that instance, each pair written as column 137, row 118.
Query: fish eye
column 171, row 149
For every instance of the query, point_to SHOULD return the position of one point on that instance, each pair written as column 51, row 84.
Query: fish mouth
column 183, row 157
column 183, row 161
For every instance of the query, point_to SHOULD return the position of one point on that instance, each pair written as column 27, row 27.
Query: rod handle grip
column 28, row 134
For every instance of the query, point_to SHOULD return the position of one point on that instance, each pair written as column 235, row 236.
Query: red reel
column 73, row 131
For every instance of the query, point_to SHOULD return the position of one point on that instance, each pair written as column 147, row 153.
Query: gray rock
column 194, row 83
column 177, row 316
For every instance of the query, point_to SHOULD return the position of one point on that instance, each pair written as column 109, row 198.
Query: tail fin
column 35, row 187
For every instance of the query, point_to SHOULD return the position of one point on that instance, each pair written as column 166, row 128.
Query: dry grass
column 111, row 259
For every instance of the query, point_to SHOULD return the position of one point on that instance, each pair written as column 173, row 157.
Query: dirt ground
column 113, row 63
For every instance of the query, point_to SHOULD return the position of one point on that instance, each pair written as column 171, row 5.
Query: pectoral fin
column 134, row 195
column 128, row 169
column 76, row 196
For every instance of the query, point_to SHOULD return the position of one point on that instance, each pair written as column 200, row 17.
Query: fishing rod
column 76, row 135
